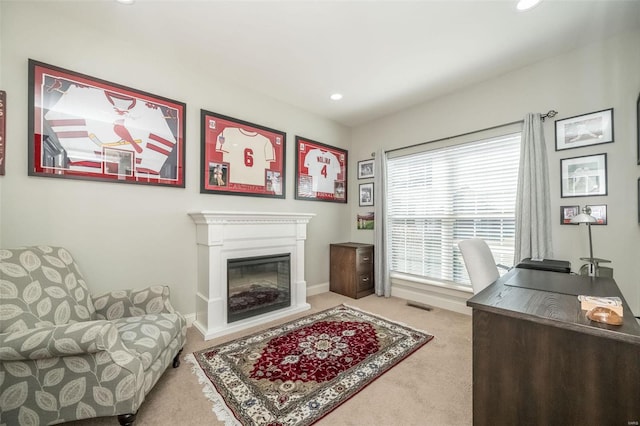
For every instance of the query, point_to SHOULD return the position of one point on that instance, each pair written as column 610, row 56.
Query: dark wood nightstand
column 351, row 272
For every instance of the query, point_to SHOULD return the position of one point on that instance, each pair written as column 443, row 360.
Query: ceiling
column 383, row 56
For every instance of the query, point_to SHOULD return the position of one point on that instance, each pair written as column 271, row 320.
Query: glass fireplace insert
column 257, row 285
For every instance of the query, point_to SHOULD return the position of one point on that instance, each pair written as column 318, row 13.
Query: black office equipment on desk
column 545, row 265
column 558, row 282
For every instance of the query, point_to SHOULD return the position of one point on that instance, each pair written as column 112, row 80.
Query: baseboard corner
column 190, row 318
column 315, row 289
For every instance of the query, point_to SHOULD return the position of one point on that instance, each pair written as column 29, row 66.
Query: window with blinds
column 441, row 196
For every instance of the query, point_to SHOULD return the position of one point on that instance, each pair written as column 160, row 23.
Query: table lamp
column 585, row 217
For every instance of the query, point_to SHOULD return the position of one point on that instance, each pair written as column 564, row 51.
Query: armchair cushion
column 146, row 336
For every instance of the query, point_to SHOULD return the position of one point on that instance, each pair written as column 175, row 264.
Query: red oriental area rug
column 296, row 373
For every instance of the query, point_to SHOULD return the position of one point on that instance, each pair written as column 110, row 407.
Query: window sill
column 449, row 296
column 447, row 285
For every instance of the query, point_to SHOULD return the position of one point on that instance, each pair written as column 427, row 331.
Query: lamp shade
column 584, row 217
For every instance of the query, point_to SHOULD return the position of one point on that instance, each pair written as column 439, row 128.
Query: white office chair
column 480, row 264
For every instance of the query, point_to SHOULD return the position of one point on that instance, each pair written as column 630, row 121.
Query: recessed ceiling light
column 526, row 4
column 336, row 96
column 126, row 1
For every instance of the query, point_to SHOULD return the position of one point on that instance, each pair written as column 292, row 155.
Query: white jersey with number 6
column 249, row 154
column 324, row 167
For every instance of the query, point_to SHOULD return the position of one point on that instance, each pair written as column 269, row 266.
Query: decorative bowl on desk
column 604, row 315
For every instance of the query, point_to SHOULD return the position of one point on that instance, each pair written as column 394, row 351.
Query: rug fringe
column 389, row 319
column 223, row 413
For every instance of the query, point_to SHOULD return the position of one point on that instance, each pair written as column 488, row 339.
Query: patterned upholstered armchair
column 65, row 355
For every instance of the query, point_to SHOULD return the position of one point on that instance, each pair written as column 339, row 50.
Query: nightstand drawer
column 365, row 257
column 365, row 282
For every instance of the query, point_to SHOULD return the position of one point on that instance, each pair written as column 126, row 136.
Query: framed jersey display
column 3, row 118
column 241, row 158
column 85, row 128
column 321, row 171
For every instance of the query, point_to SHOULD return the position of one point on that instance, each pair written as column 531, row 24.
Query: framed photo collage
column 586, row 175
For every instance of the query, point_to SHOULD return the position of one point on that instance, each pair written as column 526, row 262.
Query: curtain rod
column 550, row 114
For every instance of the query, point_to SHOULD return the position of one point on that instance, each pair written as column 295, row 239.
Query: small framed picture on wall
column 583, row 130
column 365, row 169
column 600, row 213
column 567, row 213
column 366, row 194
column 583, row 176
column 366, row 220
column 638, row 125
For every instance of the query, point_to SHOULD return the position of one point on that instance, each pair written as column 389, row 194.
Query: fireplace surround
column 227, row 236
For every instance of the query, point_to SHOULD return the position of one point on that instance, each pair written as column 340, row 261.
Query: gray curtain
column 533, row 209
column 381, row 262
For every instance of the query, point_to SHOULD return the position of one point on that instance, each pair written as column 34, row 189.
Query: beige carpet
column 430, row 387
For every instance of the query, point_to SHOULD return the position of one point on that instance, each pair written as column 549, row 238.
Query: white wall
column 601, row 76
column 132, row 235
column 126, row 236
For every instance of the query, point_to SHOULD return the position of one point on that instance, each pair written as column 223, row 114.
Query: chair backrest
column 479, row 261
column 41, row 286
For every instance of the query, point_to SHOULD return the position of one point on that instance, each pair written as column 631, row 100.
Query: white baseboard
column 190, row 319
column 450, row 300
column 317, row 289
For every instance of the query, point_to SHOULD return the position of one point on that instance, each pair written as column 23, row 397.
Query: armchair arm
column 131, row 303
column 54, row 341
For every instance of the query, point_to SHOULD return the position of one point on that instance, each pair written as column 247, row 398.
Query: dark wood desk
column 538, row 360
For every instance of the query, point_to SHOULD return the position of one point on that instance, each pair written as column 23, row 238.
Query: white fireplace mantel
column 221, row 236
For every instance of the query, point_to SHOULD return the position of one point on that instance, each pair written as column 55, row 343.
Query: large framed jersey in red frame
column 241, row 158
column 86, row 128
column 3, row 122
column 321, row 171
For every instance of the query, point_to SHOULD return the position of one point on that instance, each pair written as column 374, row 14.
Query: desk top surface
column 551, row 298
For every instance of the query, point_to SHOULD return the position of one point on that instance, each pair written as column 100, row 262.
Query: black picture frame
column 584, row 176
column 567, row 213
column 366, row 169
column 365, row 194
column 638, row 125
column 599, row 211
column 82, row 127
column 593, row 128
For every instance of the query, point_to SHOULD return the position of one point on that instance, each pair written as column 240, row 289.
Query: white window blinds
column 438, row 197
